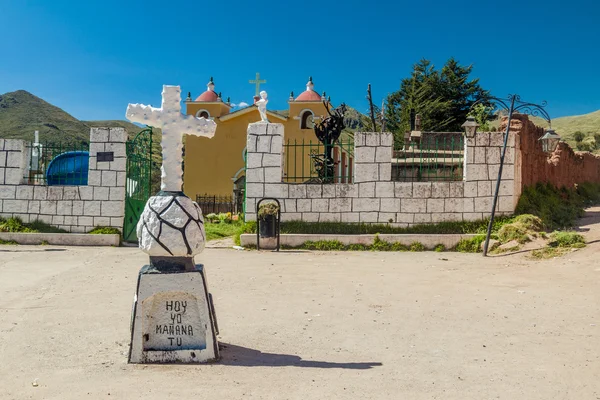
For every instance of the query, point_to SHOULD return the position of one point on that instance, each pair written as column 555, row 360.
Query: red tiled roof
column 207, row 96
column 309, row 95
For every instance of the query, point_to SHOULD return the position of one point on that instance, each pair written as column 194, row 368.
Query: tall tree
column 443, row 98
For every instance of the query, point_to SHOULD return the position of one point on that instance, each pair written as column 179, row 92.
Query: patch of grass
column 357, row 247
column 378, row 245
column 105, row 230
column 222, row 230
column 439, row 248
column 561, row 243
column 566, row 239
column 14, row 224
column 472, row 245
column 549, row 252
column 513, row 231
column 11, row 242
column 341, row 228
column 324, row 245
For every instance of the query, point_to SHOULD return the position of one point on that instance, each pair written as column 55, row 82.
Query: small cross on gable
column 257, row 81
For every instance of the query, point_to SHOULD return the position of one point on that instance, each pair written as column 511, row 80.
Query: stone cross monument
column 173, row 314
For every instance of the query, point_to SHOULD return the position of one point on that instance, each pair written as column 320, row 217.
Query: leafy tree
column 483, row 115
column 597, row 140
column 442, row 97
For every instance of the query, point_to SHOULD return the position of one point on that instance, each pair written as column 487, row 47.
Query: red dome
column 309, row 95
column 209, row 95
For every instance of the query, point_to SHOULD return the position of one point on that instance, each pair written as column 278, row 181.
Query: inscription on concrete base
column 171, row 321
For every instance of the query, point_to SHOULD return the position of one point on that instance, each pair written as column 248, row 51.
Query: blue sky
column 92, row 58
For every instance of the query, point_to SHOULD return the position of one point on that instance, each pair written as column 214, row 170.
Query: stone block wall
column 73, row 208
column 374, row 197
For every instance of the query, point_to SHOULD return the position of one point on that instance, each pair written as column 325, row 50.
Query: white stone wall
column 73, row 208
column 373, row 197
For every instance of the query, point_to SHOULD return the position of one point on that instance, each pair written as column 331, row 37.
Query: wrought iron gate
column 138, row 185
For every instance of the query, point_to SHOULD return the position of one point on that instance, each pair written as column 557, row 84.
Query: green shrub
column 439, row 248
column 472, row 245
column 557, row 208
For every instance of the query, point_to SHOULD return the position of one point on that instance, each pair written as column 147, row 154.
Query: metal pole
column 491, row 224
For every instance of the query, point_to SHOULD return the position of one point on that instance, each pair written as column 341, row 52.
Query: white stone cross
column 174, row 125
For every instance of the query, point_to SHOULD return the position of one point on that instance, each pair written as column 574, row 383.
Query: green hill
column 588, row 124
column 22, row 113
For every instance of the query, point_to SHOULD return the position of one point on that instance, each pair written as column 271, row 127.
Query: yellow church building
column 212, row 166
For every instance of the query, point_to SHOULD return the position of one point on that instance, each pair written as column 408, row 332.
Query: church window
column 307, row 120
column 203, row 113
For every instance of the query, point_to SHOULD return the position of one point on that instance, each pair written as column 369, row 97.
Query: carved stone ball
column 171, row 225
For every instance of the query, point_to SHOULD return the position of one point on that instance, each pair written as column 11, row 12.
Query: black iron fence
column 58, row 163
column 305, row 162
column 220, row 204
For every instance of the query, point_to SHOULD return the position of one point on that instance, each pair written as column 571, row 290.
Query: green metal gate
column 138, row 185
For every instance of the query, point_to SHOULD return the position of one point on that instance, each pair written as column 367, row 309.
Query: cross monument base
column 173, row 314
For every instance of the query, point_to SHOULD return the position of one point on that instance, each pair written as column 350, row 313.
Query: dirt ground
column 305, row 325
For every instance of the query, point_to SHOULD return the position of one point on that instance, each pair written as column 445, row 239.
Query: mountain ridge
column 22, row 113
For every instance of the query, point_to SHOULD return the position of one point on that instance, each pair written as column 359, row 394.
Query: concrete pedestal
column 173, row 316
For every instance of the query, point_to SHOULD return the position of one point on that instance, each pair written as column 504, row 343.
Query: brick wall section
column 564, row 167
column 373, row 197
column 73, row 208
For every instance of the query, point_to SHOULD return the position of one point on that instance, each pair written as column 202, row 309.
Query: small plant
column 105, row 230
column 397, row 246
column 10, row 242
column 44, row 243
column 268, row 209
column 416, row 246
column 379, row 245
column 439, row 248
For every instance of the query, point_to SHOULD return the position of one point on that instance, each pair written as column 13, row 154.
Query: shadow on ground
column 244, row 357
column 29, row 250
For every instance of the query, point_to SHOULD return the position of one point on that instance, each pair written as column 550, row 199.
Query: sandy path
column 300, row 325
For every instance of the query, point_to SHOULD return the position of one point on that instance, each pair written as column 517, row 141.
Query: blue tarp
column 70, row 168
